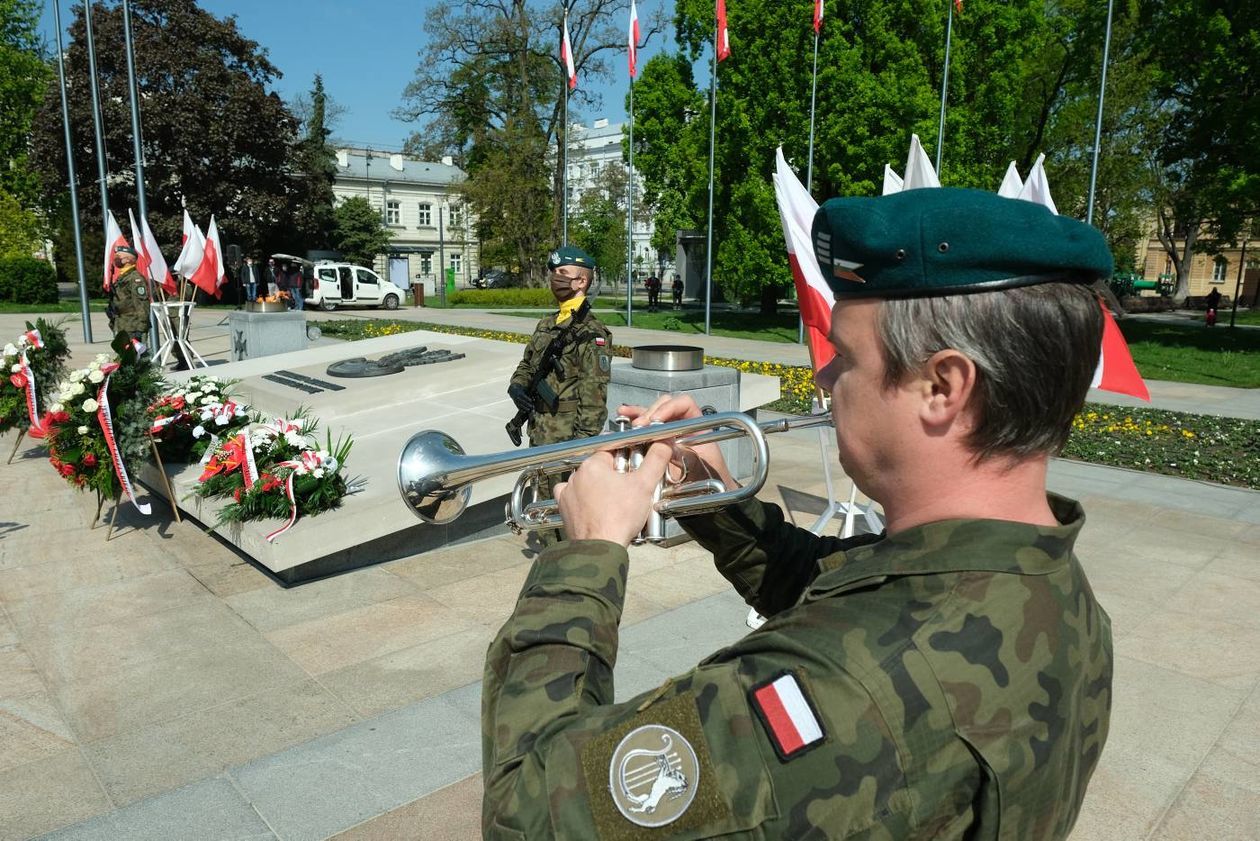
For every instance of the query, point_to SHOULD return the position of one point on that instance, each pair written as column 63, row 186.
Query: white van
column 345, row 285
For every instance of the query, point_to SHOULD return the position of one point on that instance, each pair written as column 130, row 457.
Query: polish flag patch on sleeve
column 788, row 715
column 599, row 341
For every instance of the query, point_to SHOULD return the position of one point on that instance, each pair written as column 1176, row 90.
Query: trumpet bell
column 425, row 462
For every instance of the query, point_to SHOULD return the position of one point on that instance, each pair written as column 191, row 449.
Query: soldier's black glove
column 520, row 396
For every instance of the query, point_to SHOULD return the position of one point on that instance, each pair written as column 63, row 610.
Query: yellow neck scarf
column 567, row 308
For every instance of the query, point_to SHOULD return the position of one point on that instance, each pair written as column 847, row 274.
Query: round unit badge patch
column 653, row 776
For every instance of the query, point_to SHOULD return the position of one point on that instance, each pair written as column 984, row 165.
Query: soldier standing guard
column 129, row 296
column 948, row 679
column 562, row 381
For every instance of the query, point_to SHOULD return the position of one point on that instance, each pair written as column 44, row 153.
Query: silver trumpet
column 435, row 476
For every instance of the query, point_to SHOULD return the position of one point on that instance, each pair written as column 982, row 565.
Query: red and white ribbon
column 159, row 423
column 209, row 453
column 249, row 470
column 308, row 463
column 30, row 338
column 106, row 421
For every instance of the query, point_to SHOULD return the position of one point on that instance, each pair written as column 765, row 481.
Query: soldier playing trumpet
column 948, row 679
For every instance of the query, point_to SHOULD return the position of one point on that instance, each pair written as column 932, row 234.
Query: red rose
column 18, row 381
column 60, row 417
column 270, row 483
column 236, row 494
column 66, row 470
column 89, row 460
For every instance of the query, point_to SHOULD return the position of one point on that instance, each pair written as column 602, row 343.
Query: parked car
column 497, row 279
column 347, row 285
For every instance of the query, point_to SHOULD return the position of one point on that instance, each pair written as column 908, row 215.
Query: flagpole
column 809, row 167
column 564, row 129
column 1102, row 92
column 630, row 214
column 708, row 247
column 96, row 118
column 940, row 132
column 74, row 187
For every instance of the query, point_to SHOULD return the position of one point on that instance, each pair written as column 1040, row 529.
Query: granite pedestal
column 256, row 334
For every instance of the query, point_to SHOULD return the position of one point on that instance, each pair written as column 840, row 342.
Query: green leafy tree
column 489, row 91
column 1208, row 164
column 24, row 75
column 214, row 136
column 313, row 217
column 599, row 225
column 359, row 233
column 19, row 228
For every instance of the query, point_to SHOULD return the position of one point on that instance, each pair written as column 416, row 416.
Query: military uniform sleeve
column 594, row 371
column 696, row 757
column 768, row 560
column 529, row 359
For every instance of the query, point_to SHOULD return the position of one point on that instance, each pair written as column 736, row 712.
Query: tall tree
column 214, row 136
column 24, row 75
column 489, row 89
column 599, row 224
column 317, row 170
column 358, row 231
column 1208, row 164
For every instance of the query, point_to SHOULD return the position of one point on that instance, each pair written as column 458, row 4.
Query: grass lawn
column 782, row 327
column 1194, row 353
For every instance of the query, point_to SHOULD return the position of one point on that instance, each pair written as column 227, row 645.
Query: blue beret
column 949, row 240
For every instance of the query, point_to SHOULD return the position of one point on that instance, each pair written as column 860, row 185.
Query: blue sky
column 367, row 53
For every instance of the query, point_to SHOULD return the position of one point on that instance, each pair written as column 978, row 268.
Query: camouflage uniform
column 581, row 409
column 130, row 300
column 959, row 674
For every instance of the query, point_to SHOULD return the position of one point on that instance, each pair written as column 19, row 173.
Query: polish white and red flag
column 194, row 243
column 790, row 720
column 566, row 55
column 632, row 38
column 723, row 35
column 209, row 276
column 113, row 238
column 818, row 15
column 796, row 211
column 149, row 259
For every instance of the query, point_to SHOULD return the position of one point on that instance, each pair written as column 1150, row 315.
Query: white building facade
column 421, row 206
column 590, row 150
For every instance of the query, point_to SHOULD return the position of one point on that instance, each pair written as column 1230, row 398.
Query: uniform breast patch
column 788, row 715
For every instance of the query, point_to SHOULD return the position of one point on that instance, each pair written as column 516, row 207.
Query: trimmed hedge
column 502, row 298
column 26, row 280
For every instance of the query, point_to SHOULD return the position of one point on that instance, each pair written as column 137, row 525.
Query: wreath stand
column 178, row 337
column 113, row 515
column 21, row 433
column 166, row 482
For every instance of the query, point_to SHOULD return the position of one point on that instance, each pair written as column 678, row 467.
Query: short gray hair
column 1035, row 349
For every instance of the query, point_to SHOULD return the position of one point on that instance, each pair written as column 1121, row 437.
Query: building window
column 426, row 261
column 457, row 215
column 1219, row 267
column 426, row 215
column 393, row 212
column 457, row 263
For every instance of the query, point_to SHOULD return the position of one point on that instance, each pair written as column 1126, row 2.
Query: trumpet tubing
column 435, row 476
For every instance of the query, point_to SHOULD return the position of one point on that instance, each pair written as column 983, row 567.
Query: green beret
column 125, row 249
column 948, row 240
column 570, row 255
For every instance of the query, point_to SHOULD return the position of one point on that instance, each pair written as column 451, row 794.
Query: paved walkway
column 158, row 687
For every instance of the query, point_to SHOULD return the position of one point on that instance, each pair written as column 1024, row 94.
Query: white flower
column 318, row 473
column 90, row 405
column 77, row 389
column 294, row 439
column 96, row 376
column 10, row 350
column 206, row 401
column 56, row 407
column 83, row 430
column 102, row 358
column 17, row 368
column 192, row 395
column 221, row 420
column 198, row 431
